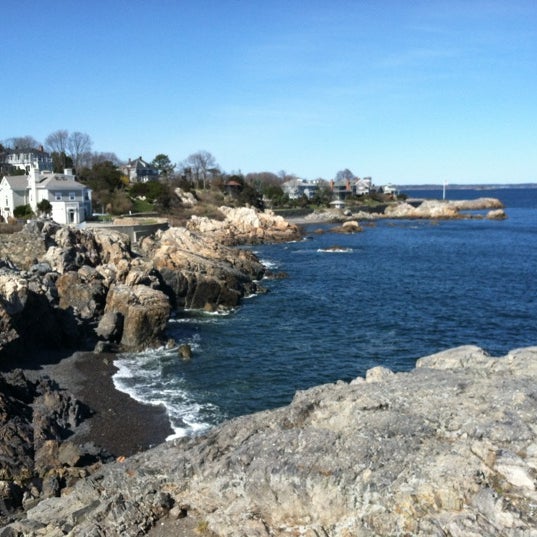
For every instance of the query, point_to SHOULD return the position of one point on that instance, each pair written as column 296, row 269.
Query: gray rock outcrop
column 57, row 291
column 200, row 271
column 448, row 449
column 36, row 458
column 440, row 209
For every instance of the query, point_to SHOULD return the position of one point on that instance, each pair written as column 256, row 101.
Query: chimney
column 68, row 171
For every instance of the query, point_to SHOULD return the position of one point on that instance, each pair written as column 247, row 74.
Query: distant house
column 70, row 200
column 233, row 188
column 25, row 159
column 341, row 189
column 13, row 192
column 139, row 171
column 296, row 188
column 389, row 189
column 362, row 187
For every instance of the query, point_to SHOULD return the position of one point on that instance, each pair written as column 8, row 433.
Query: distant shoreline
column 455, row 186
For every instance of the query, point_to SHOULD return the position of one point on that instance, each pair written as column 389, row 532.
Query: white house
column 70, row 200
column 24, row 160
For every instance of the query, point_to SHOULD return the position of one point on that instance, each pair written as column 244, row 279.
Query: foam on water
column 335, row 250
column 143, row 377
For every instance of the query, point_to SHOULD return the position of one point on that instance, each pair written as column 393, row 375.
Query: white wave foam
column 217, row 313
column 335, row 250
column 268, row 263
column 143, row 378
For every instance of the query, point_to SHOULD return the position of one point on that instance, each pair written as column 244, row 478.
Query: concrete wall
column 134, row 231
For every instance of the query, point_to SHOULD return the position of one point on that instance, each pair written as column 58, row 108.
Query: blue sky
column 405, row 91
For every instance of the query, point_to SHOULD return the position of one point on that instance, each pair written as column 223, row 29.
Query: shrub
column 23, row 211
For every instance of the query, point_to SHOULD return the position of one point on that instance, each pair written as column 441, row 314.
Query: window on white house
column 72, row 196
column 58, row 196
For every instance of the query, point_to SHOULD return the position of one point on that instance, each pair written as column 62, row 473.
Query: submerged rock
column 496, row 214
column 185, row 351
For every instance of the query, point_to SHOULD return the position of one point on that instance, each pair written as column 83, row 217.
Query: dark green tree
column 104, row 178
column 44, row 206
column 164, row 165
column 60, row 161
column 23, row 211
column 344, row 174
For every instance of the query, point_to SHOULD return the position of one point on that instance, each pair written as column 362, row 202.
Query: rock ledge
column 447, row 449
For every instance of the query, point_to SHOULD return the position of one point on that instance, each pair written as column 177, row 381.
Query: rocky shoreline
column 61, row 287
column 449, row 448
column 416, row 209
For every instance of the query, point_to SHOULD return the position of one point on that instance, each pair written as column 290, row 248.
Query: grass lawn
column 142, row 206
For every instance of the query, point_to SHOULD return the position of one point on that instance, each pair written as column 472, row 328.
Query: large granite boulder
column 245, row 225
column 448, row 449
column 200, row 272
column 144, row 313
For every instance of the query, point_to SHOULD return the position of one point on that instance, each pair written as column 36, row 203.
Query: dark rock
column 87, row 298
column 35, row 419
column 110, row 326
column 41, row 268
column 185, row 351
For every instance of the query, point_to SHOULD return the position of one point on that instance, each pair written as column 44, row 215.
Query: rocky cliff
column 448, row 449
column 62, row 287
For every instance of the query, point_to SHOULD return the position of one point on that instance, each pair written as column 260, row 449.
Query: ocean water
column 387, row 296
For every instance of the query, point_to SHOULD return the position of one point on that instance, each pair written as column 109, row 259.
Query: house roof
column 139, row 163
column 60, row 182
column 17, row 182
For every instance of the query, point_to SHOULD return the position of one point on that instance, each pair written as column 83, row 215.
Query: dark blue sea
column 399, row 290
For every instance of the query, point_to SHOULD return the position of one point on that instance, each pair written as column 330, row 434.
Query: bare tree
column 23, row 143
column 56, row 142
column 79, row 146
column 200, row 164
column 97, row 157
